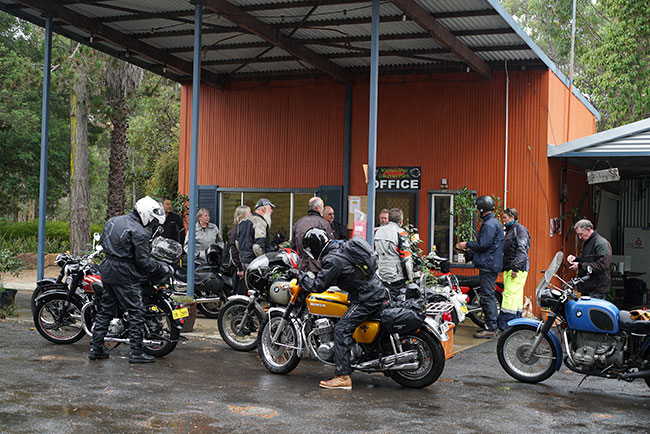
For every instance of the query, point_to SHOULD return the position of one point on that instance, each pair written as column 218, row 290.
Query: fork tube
column 283, row 321
column 540, row 335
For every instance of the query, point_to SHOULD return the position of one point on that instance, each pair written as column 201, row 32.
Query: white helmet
column 149, row 209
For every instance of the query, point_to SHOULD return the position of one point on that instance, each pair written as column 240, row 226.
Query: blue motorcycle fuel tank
column 592, row 315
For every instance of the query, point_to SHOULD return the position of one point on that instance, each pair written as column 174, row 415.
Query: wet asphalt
column 204, row 386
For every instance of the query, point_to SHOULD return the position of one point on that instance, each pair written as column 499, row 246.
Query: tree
column 617, row 70
column 79, row 187
column 121, row 80
column 21, row 69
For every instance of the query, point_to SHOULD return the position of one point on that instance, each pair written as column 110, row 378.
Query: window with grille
column 443, row 223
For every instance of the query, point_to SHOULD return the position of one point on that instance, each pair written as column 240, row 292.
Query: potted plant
column 465, row 216
column 9, row 263
column 190, row 304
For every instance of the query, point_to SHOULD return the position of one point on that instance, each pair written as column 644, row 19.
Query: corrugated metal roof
column 325, row 38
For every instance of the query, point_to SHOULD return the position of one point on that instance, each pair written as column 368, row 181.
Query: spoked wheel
column 211, row 310
column 160, row 330
column 512, row 351
column 58, row 320
column 477, row 315
column 431, row 358
column 237, row 327
column 280, row 357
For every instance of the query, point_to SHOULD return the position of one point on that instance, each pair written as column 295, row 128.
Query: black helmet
column 213, row 255
column 314, row 242
column 485, row 203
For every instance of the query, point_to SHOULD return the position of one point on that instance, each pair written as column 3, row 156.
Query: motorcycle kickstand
column 580, row 384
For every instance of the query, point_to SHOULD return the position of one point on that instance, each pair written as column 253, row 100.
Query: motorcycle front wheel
column 431, row 357
column 512, row 347
column 160, row 330
column 57, row 320
column 280, row 357
column 237, row 328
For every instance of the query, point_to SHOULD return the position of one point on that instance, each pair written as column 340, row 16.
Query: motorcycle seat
column 471, row 281
column 199, row 276
column 626, row 323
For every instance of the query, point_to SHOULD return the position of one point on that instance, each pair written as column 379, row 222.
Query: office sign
column 398, row 178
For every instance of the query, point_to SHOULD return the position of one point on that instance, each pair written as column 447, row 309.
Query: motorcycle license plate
column 463, row 308
column 180, row 313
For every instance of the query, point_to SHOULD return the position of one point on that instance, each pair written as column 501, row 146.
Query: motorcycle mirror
column 96, row 236
column 589, row 269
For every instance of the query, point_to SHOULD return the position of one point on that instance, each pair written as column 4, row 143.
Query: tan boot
column 339, row 382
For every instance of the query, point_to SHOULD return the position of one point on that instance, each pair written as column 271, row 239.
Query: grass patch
column 22, row 237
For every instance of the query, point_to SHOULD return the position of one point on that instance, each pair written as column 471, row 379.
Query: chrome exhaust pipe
column 207, row 300
column 126, row 341
column 391, row 361
column 405, row 367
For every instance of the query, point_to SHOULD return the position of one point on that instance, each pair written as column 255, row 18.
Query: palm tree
column 121, row 80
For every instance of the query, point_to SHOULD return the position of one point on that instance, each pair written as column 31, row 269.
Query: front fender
column 245, row 300
column 551, row 334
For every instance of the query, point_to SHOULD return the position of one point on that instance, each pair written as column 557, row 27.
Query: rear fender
column 168, row 305
column 432, row 326
column 551, row 334
column 47, row 281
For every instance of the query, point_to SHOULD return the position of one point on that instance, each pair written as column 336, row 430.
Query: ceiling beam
column 275, row 37
column 420, row 15
column 114, row 37
column 364, row 53
column 339, row 40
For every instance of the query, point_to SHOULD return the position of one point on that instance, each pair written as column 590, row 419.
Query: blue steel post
column 346, row 152
column 194, row 148
column 45, row 127
column 372, row 135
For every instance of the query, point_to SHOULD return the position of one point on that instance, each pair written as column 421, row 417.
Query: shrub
column 23, row 236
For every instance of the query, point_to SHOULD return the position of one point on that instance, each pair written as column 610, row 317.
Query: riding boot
column 98, row 353
column 140, row 357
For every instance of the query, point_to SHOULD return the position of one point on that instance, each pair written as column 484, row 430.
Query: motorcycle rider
column 125, row 240
column 343, row 266
column 488, row 258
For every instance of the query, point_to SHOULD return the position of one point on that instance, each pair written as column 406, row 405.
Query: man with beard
column 313, row 219
column 254, row 238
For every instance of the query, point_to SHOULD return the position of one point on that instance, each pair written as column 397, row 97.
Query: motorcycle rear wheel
column 233, row 316
column 280, row 357
column 211, row 310
column 431, row 356
column 512, row 347
column 56, row 322
column 477, row 316
column 159, row 326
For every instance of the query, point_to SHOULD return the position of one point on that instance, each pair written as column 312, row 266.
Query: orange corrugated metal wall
column 290, row 135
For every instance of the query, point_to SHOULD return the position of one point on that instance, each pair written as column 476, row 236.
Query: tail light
column 446, row 316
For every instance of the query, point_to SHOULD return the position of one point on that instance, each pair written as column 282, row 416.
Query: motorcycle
column 267, row 279
column 411, row 358
column 469, row 285
column 64, row 317
column 211, row 286
column 598, row 339
column 76, row 275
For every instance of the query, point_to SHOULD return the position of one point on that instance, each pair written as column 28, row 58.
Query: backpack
column 363, row 256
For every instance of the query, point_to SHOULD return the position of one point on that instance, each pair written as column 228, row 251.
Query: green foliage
column 465, row 215
column 164, row 181
column 21, row 61
column 9, row 263
column 23, row 236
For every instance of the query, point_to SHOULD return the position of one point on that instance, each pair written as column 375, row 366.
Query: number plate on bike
column 180, row 313
column 463, row 308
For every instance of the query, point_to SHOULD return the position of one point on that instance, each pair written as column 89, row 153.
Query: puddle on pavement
column 261, row 412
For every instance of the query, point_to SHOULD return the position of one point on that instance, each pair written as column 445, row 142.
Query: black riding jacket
column 516, row 245
column 339, row 268
column 597, row 253
column 128, row 253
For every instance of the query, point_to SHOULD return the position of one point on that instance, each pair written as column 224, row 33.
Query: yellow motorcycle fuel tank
column 329, row 303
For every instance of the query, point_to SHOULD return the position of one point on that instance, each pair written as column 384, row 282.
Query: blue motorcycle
column 598, row 338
